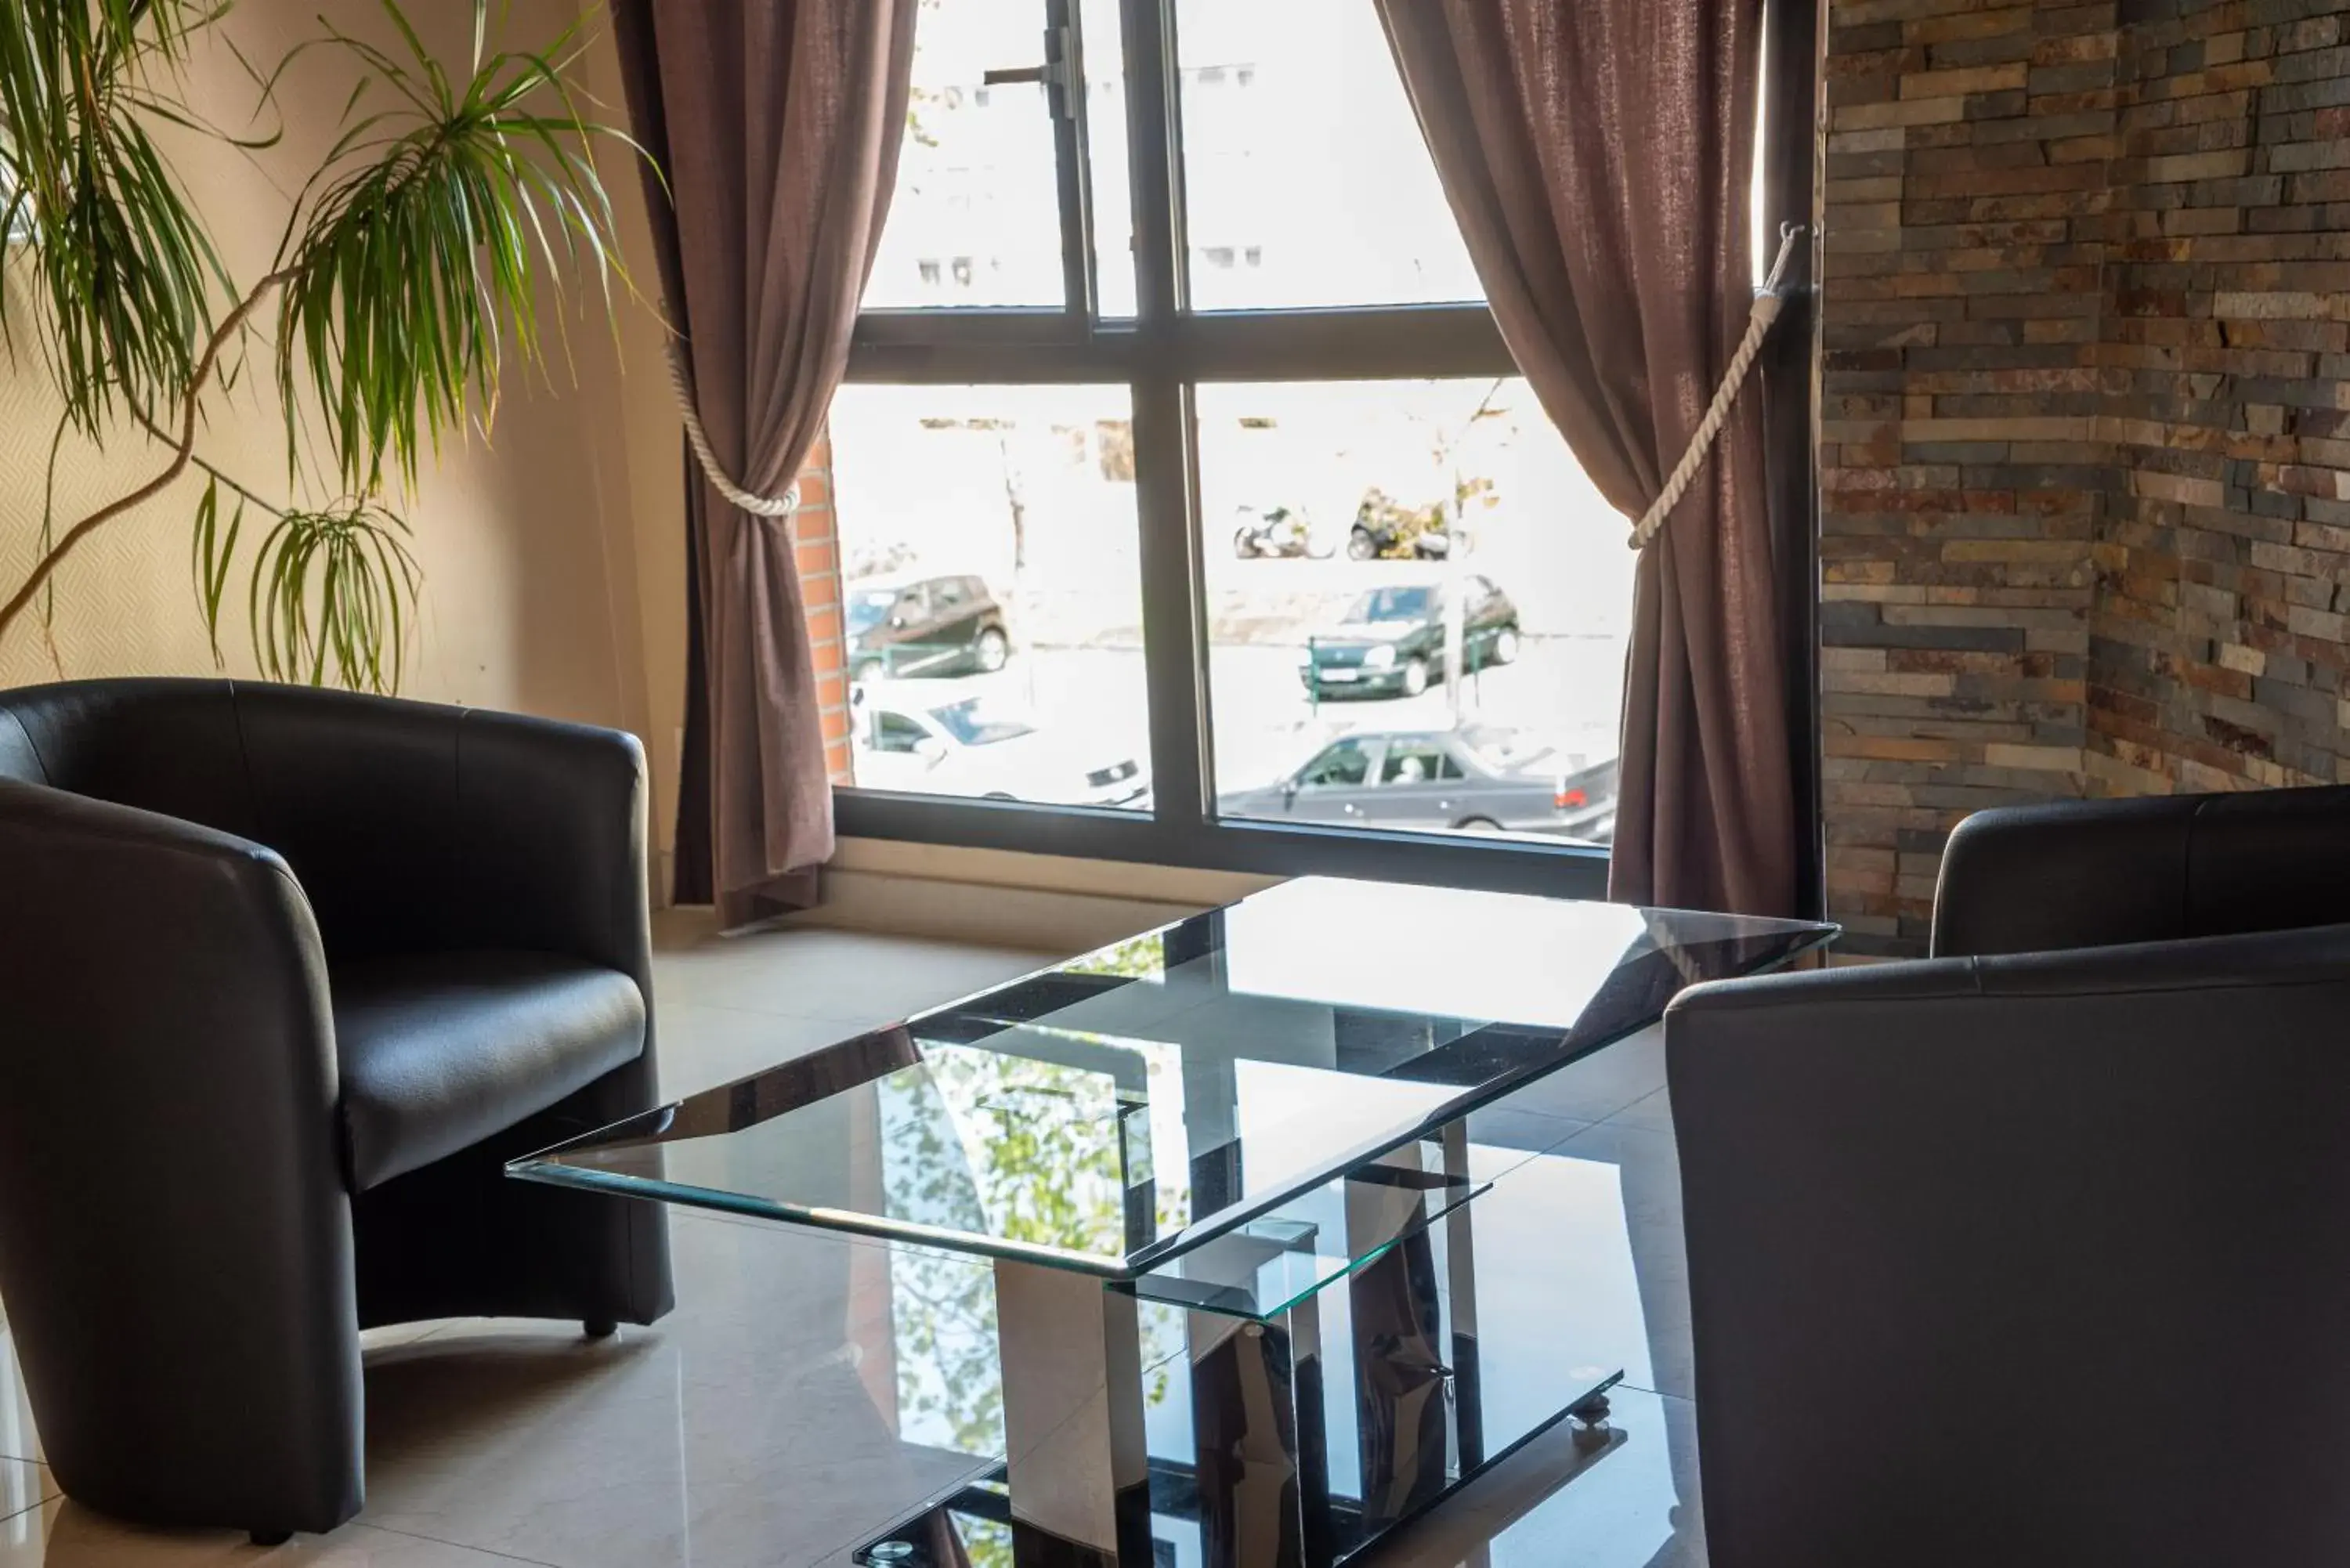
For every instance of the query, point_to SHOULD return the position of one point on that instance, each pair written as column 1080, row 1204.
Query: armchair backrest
column 166, row 746
column 2079, row 874
column 410, row 825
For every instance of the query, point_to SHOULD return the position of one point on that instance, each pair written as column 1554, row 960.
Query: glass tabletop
column 1131, row 1105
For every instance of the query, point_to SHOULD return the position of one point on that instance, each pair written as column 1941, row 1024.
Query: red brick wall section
column 815, row 538
column 2086, row 470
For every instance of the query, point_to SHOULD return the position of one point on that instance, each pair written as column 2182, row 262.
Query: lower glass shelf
column 1268, row 1266
column 1484, row 1296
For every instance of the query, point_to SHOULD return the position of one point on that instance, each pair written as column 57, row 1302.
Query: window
column 1321, row 161
column 1419, row 761
column 1244, row 545
column 1366, row 615
column 1345, row 761
column 895, row 733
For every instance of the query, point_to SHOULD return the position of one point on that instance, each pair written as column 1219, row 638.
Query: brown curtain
column 1597, row 153
column 777, row 123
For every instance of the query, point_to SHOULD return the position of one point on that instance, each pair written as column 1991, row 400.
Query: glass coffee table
column 1224, row 1177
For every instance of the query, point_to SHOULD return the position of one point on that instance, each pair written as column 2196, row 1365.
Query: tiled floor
column 744, row 1429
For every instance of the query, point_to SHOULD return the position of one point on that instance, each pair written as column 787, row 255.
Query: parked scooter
column 1277, row 531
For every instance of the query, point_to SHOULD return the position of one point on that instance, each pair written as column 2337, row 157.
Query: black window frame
column 1162, row 354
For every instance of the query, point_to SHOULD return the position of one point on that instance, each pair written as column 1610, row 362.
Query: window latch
column 1056, row 73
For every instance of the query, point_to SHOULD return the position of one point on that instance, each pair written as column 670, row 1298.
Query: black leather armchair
column 2037, row 1252
column 285, row 976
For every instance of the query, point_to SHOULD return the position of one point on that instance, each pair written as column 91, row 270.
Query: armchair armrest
column 168, row 1118
column 551, row 826
column 2096, row 873
column 1968, row 1240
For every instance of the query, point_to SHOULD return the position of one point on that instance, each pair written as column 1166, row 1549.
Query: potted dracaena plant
column 406, row 277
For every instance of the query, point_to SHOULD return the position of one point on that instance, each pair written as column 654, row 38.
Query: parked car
column 906, row 738
column 925, row 626
column 1391, row 638
column 1480, row 778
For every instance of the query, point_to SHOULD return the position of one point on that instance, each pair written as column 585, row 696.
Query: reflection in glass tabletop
column 1124, row 1109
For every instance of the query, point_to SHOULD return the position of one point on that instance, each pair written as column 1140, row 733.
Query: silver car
column 1480, row 778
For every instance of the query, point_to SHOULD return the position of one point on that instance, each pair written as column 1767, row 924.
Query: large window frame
column 1161, row 354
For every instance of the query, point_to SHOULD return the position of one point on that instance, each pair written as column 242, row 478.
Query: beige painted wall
column 525, row 537
column 652, row 449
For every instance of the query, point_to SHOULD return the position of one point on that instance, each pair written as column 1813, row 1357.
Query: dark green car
column 931, row 625
column 1391, row 639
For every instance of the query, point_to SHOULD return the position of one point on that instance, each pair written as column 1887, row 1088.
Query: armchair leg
column 600, row 1328
column 272, row 1537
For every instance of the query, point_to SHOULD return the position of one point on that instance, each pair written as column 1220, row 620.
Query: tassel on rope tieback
column 1767, row 305
column 782, row 505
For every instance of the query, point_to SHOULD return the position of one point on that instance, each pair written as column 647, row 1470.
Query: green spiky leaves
column 410, row 277
column 427, row 229
column 124, row 271
column 332, row 596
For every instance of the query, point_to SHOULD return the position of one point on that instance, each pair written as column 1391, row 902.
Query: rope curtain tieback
column 1758, row 327
column 782, row 505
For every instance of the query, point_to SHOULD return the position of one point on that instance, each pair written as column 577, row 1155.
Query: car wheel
column 1478, row 825
column 1505, row 646
column 1414, row 676
column 1243, row 545
column 1361, row 545
column 992, row 650
column 866, row 669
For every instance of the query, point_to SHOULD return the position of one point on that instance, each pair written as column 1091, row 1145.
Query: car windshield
column 1393, row 604
column 1509, row 751
column 971, row 723
column 871, row 609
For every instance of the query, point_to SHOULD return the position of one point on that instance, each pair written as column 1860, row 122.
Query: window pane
column 1307, row 180
column 1338, row 583
column 976, row 216
column 1113, row 200
column 990, row 582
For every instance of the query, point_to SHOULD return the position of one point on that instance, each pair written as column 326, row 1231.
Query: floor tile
column 18, row 1439
column 1649, row 1172
column 1602, row 1084
column 1653, row 1113
column 1507, row 1126
column 699, row 1046
column 855, row 976
column 66, row 1536
column 23, row 1486
column 755, row 1426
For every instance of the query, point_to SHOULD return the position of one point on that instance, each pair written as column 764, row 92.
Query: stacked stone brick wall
column 1968, row 215
column 2220, row 638
column 2086, row 449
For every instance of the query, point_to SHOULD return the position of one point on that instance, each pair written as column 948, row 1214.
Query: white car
column 926, row 742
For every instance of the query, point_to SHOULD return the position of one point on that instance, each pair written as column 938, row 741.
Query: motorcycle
column 1277, row 531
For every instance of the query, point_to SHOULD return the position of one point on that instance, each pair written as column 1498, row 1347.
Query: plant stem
column 197, row 460
column 183, row 451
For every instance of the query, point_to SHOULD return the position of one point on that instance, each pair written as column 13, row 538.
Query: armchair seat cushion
column 439, row 1050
